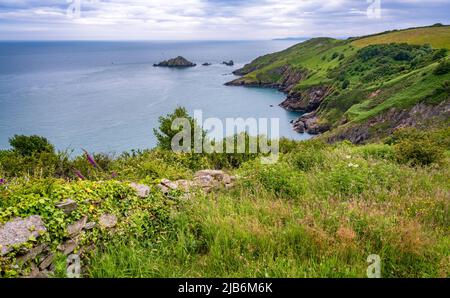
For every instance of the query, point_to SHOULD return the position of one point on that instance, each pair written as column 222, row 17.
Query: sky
column 211, row 19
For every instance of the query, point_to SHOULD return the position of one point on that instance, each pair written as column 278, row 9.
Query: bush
column 307, row 157
column 416, row 148
column 29, row 145
column 441, row 53
column 442, row 68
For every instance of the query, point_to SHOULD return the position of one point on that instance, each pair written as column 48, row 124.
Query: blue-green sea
column 107, row 96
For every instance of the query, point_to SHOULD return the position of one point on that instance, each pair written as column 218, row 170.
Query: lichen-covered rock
column 68, row 247
column 68, row 206
column 205, row 180
column 141, row 190
column 108, row 220
column 19, row 231
column 47, row 261
column 32, row 253
column 76, row 228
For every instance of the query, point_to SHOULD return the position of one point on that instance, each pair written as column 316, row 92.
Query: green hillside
column 359, row 78
column 436, row 36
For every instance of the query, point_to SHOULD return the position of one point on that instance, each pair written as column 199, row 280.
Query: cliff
column 358, row 81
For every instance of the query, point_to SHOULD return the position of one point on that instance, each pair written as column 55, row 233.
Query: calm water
column 107, row 96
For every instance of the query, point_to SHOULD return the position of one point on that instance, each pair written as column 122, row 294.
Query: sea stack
column 176, row 62
column 229, row 63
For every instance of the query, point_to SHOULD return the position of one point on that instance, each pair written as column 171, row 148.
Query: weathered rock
column 205, row 180
column 48, row 260
column 19, row 231
column 32, row 253
column 169, row 184
column 185, row 185
column 310, row 123
column 34, row 271
column 228, row 63
column 108, row 220
column 210, row 179
column 386, row 123
column 290, row 77
column 306, row 100
column 90, row 225
column 76, row 228
column 176, row 62
column 164, row 189
column 67, row 247
column 142, row 190
column 68, row 206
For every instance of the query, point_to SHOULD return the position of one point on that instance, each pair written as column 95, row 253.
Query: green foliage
column 377, row 151
column 441, row 53
column 345, row 84
column 416, row 148
column 278, row 178
column 164, row 134
column 442, row 68
column 307, row 155
column 29, row 145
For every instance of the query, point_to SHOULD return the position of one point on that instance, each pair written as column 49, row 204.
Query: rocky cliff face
column 419, row 116
column 306, row 100
column 288, row 78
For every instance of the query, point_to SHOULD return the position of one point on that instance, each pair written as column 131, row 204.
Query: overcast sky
column 210, row 19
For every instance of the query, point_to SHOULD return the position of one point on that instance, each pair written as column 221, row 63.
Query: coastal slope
column 361, row 88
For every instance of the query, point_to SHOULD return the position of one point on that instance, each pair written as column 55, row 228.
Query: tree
column 164, row 134
column 29, row 145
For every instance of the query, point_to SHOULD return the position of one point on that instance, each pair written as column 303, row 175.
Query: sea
column 106, row 96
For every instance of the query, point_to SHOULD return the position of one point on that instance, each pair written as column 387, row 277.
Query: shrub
column 442, row 68
column 308, row 157
column 416, row 148
column 418, row 152
column 441, row 53
column 29, row 145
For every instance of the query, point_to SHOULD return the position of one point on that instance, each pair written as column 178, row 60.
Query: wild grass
column 437, row 37
column 318, row 213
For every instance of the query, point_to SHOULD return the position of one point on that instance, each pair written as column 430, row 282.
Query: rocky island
column 176, row 62
column 229, row 63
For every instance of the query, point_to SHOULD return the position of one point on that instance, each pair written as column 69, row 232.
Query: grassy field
column 437, row 37
column 319, row 212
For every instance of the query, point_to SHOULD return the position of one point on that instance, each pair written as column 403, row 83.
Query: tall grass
column 307, row 216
